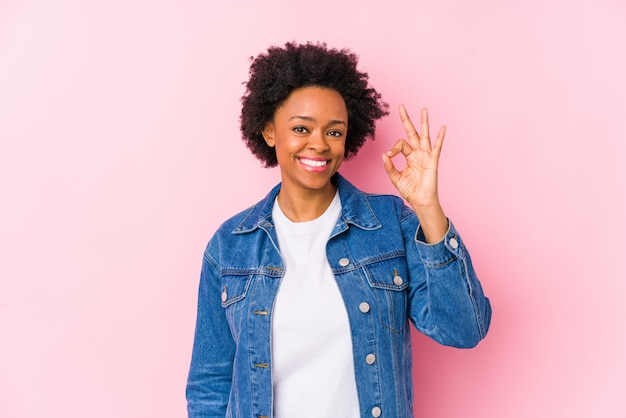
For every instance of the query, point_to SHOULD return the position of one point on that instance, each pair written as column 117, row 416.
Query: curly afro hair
column 279, row 71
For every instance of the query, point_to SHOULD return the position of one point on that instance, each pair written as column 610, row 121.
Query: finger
column 409, row 128
column 390, row 168
column 424, row 131
column 401, row 146
column 439, row 141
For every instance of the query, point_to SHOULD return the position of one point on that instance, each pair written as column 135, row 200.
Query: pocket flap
column 234, row 288
column 388, row 274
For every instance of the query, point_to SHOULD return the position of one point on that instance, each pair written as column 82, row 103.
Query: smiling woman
column 308, row 133
column 306, row 297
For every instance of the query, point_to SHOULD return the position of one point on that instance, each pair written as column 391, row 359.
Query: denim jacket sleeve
column 446, row 301
column 210, row 373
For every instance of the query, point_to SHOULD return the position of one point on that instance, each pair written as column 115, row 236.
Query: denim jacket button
column 370, row 359
column 376, row 412
column 397, row 280
column 364, row 307
column 454, row 243
column 344, row 262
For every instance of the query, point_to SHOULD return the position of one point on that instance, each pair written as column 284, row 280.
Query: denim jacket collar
column 355, row 210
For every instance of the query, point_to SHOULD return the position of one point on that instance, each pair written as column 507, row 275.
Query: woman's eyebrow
column 312, row 119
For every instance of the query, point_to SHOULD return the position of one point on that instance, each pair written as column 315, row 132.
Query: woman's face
column 309, row 134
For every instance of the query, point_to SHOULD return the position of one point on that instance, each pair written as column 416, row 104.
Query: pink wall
column 120, row 154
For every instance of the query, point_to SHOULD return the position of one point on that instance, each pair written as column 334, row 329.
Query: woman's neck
column 302, row 207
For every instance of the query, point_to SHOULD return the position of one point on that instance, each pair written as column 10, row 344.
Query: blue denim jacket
column 387, row 276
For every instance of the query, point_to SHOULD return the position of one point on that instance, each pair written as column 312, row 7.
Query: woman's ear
column 268, row 134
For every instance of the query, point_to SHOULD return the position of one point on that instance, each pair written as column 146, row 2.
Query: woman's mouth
column 313, row 163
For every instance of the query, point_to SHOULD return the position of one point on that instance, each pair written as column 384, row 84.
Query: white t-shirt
column 312, row 361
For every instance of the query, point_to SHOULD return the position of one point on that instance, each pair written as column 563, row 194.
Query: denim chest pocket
column 389, row 281
column 235, row 289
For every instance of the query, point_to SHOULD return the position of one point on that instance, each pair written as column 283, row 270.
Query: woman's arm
column 210, row 373
column 446, row 300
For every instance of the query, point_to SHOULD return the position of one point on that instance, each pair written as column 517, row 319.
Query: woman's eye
column 300, row 129
column 336, row 134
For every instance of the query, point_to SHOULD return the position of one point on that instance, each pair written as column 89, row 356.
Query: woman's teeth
column 313, row 163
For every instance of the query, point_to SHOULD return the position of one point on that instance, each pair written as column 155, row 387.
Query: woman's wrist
column 433, row 222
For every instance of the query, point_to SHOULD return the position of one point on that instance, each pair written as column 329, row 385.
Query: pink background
column 120, row 154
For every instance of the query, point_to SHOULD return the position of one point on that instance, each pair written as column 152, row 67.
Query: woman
column 305, row 298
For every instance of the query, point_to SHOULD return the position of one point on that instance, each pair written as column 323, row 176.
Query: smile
column 313, row 163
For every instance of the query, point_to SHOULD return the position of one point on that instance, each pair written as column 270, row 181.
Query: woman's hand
column 417, row 182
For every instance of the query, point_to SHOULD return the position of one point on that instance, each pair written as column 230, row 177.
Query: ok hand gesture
column 417, row 182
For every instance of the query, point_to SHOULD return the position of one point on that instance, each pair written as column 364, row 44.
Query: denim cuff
column 449, row 248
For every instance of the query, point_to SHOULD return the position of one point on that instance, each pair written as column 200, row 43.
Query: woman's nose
column 318, row 141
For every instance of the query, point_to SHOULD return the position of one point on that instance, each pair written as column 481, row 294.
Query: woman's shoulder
column 228, row 236
column 240, row 221
column 385, row 203
column 379, row 203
